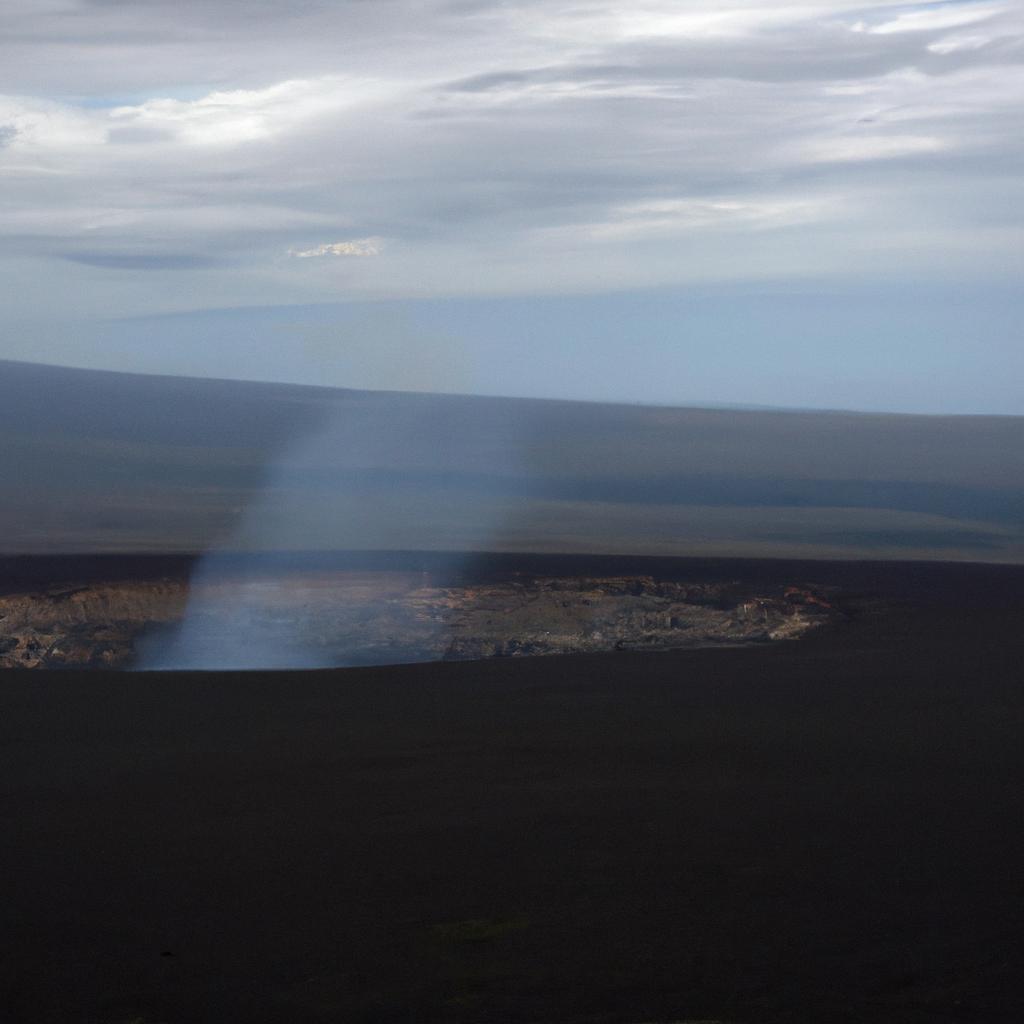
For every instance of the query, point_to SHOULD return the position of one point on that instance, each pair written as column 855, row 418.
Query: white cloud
column 246, row 115
column 859, row 148
column 951, row 44
column 464, row 133
column 667, row 217
column 602, row 22
column 934, row 17
column 354, row 247
column 42, row 125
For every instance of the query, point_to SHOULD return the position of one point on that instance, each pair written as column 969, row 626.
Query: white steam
column 373, row 478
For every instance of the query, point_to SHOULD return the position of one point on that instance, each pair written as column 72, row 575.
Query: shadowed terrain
column 827, row 830
column 824, row 829
column 93, row 461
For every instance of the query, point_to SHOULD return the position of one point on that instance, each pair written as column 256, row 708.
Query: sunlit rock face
column 91, row 625
column 334, row 618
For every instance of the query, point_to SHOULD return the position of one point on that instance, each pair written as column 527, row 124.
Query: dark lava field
column 828, row 829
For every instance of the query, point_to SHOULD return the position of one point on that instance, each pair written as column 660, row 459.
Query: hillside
column 93, row 461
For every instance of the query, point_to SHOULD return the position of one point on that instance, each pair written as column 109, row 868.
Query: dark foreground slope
column 828, row 830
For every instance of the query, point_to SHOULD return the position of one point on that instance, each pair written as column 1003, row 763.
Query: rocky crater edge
column 342, row 618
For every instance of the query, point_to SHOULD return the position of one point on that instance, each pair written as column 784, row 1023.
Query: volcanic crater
column 272, row 617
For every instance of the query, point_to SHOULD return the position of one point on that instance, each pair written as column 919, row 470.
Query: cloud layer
column 165, row 156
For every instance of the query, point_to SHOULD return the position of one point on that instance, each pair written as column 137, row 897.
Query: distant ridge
column 96, row 460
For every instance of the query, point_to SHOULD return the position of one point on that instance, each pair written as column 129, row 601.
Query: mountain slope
column 99, row 461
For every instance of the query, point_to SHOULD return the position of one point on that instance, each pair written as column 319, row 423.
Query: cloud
column 951, row 44
column 508, row 147
column 667, row 217
column 233, row 117
column 354, row 247
column 930, row 17
column 854, row 148
column 139, row 261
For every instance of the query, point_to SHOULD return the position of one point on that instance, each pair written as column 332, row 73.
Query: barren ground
column 825, row 830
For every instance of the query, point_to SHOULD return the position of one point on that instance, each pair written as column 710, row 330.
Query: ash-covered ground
column 825, row 831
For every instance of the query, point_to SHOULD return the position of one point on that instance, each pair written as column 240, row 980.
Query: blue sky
column 814, row 204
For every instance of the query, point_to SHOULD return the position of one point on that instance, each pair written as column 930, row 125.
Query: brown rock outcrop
column 337, row 618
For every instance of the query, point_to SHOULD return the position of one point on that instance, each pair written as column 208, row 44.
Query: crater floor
column 356, row 617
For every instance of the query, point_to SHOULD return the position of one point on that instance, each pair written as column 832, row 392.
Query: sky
column 811, row 204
